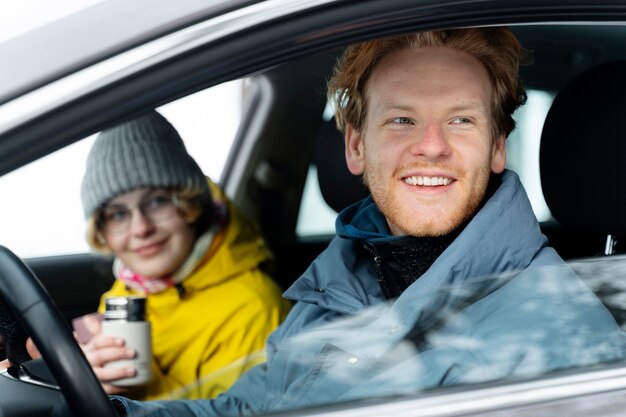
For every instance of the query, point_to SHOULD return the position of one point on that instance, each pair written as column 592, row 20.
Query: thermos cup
column 124, row 317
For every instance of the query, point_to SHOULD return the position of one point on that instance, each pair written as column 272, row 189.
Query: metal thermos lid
column 125, row 308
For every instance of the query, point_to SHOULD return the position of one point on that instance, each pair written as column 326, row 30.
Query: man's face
column 426, row 149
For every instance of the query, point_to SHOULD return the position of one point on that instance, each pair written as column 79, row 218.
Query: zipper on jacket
column 377, row 260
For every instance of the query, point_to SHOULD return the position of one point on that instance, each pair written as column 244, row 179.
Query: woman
column 177, row 240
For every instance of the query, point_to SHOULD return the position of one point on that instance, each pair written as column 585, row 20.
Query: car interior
column 284, row 132
column 588, row 112
column 287, row 139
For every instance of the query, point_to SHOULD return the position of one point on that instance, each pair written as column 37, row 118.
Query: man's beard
column 404, row 221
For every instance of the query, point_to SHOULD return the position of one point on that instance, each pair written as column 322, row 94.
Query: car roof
column 93, row 34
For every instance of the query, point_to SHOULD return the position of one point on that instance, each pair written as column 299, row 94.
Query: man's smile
column 427, row 181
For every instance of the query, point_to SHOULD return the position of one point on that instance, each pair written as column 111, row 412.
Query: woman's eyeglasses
column 156, row 208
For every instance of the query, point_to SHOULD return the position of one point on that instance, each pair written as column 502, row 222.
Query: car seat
column 583, row 175
column 583, row 153
column 339, row 187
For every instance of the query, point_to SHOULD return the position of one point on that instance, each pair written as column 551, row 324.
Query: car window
column 316, row 218
column 450, row 328
column 46, row 193
column 456, row 336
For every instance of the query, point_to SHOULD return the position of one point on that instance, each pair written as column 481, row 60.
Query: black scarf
column 400, row 262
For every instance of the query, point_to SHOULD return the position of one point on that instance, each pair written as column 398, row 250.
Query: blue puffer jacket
column 451, row 326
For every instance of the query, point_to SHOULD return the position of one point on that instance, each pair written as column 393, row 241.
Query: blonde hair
column 496, row 48
column 190, row 209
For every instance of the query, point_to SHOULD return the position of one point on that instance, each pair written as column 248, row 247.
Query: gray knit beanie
column 143, row 152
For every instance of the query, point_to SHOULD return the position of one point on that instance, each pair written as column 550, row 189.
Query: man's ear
column 498, row 155
column 354, row 150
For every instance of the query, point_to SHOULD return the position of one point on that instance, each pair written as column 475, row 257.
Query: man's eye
column 461, row 120
column 402, row 120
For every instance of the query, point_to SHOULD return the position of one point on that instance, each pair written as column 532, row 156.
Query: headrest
column 338, row 185
column 583, row 152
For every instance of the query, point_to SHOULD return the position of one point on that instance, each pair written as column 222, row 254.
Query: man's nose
column 431, row 142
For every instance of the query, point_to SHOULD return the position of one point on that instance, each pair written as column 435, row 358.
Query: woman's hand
column 101, row 350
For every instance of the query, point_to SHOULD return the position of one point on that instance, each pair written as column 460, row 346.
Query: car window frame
column 59, row 122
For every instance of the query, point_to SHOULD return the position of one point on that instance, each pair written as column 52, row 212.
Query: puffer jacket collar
column 503, row 236
column 238, row 247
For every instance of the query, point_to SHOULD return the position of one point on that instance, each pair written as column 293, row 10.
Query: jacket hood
column 503, row 236
column 237, row 248
column 363, row 220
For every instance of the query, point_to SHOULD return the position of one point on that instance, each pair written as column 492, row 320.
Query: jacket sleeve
column 161, row 386
column 247, row 396
column 244, row 398
column 253, row 392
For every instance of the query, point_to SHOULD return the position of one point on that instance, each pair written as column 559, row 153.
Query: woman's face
column 144, row 229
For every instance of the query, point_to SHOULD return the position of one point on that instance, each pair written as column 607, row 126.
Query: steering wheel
column 31, row 304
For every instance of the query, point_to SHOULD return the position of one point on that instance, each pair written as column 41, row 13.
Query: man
column 425, row 118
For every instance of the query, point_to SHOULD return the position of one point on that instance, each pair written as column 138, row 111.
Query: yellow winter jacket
column 204, row 341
